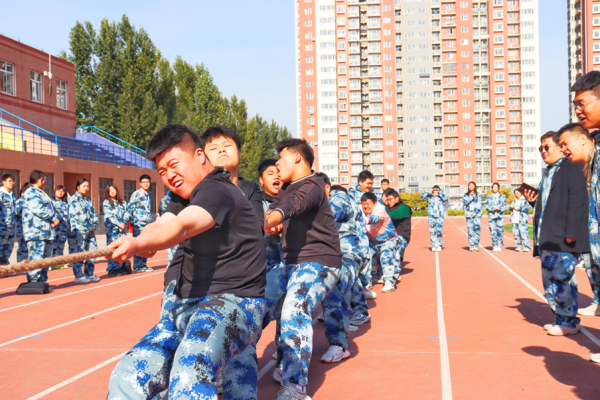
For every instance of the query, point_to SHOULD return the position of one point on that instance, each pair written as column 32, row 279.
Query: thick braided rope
column 52, row 261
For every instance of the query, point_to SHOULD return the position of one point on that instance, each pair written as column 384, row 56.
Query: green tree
column 82, row 42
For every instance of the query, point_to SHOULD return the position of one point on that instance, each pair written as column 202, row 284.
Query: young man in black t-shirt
column 311, row 249
column 220, row 275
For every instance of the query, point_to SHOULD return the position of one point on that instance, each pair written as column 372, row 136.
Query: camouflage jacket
column 435, row 206
column 356, row 193
column 7, row 211
column 344, row 212
column 19, row 206
column 38, row 214
column 521, row 210
column 114, row 215
column 361, row 228
column 473, row 206
column 139, row 208
column 62, row 213
column 82, row 215
column 494, row 201
column 164, row 203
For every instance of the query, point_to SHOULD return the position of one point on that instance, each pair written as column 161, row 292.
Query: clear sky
column 249, row 46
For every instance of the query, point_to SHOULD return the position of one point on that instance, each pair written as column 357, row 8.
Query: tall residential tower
column 421, row 92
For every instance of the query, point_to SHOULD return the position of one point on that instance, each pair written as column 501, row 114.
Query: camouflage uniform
column 38, row 216
column 63, row 228
column 84, row 221
column 383, row 241
column 593, row 272
column 520, row 229
column 473, row 213
column 7, row 224
column 435, row 216
column 182, row 356
column 22, row 253
column 141, row 215
column 115, row 214
column 358, row 303
column 496, row 218
column 592, row 269
column 162, row 208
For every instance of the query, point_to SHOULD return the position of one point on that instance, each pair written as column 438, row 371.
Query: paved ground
column 463, row 325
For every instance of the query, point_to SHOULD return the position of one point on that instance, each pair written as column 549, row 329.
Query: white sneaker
column 360, row 319
column 518, row 249
column 434, row 249
column 293, row 392
column 369, row 285
column 320, row 317
column 547, row 327
column 495, row 249
column 397, row 276
column 592, row 309
column 439, row 248
column 595, row 358
column 274, row 356
column 83, row 279
column 335, row 354
column 352, row 328
column 278, row 374
column 369, row 295
column 94, row 278
column 388, row 287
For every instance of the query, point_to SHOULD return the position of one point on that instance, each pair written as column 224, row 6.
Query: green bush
column 419, row 213
column 456, row 212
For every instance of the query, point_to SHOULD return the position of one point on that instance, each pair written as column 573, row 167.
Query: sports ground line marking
column 534, row 290
column 77, row 320
column 445, row 359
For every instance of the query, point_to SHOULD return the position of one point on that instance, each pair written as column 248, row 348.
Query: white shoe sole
column 333, row 359
column 278, row 375
column 364, row 321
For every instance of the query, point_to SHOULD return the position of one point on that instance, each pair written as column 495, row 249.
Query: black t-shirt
column 229, row 257
column 254, row 195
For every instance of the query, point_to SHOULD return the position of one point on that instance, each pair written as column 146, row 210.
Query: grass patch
column 508, row 228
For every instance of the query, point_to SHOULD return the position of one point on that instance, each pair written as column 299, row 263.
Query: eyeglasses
column 581, row 105
column 545, row 148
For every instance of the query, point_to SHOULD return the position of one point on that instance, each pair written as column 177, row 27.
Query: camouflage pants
column 168, row 299
column 358, row 303
column 474, row 231
column 385, row 257
column 171, row 253
column 497, row 231
column 521, row 232
column 22, row 253
column 560, row 285
column 82, row 242
column 111, row 236
column 401, row 244
column 593, row 273
column 59, row 243
column 336, row 305
column 300, row 288
column 182, row 356
column 436, row 227
column 38, row 250
column 138, row 261
column 7, row 242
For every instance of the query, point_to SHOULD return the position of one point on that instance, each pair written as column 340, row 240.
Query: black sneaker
column 126, row 267
column 115, row 272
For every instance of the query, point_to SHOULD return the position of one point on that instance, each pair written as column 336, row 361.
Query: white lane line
column 63, row 350
column 445, row 359
column 534, row 290
column 413, row 227
column 76, row 377
column 78, row 319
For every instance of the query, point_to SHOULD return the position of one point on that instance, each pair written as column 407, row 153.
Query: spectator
column 116, row 218
column 385, row 184
column 162, row 208
column 496, row 204
column 63, row 230
column 473, row 206
column 520, row 219
column 435, row 215
column 141, row 215
column 7, row 218
column 400, row 213
column 20, row 205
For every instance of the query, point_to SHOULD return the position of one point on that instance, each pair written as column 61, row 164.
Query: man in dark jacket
column 400, row 214
column 560, row 232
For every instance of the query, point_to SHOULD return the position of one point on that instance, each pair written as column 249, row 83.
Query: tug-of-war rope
column 52, row 261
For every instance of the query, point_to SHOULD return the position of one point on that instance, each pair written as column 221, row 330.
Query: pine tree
column 82, row 41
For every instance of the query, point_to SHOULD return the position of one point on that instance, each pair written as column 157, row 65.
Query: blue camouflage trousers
column 38, row 250
column 168, row 299
column 336, row 304
column 593, row 273
column 474, row 231
column 7, row 242
column 22, row 252
column 436, row 227
column 182, row 356
column 358, row 303
column 59, row 243
column 82, row 242
column 111, row 237
column 138, row 261
column 385, row 257
column 560, row 285
column 401, row 244
column 171, row 253
column 521, row 232
column 497, row 231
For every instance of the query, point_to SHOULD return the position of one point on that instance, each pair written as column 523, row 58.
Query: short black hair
column 340, row 188
column 35, row 176
column 298, row 146
column 574, row 128
column 363, row 176
column 80, row 182
column 385, row 180
column 589, row 81
column 6, row 176
column 169, row 136
column 496, row 184
column 368, row 196
column 436, row 187
column 391, row 192
column 325, row 178
column 214, row 132
column 145, row 176
column 263, row 166
column 550, row 135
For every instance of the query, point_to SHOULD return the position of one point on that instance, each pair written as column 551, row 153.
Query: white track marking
column 78, row 320
column 418, row 220
column 534, row 290
column 71, row 277
column 76, row 377
column 445, row 359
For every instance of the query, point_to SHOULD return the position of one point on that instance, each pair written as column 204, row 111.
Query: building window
column 36, row 86
column 7, row 72
column 61, row 95
column 49, row 188
column 596, row 21
column 104, row 183
column 129, row 188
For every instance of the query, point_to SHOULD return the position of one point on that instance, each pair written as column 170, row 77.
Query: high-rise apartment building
column 421, row 92
column 584, row 40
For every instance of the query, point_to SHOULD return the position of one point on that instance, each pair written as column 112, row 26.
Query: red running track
column 461, row 325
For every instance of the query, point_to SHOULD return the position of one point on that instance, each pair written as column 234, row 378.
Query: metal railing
column 112, row 138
